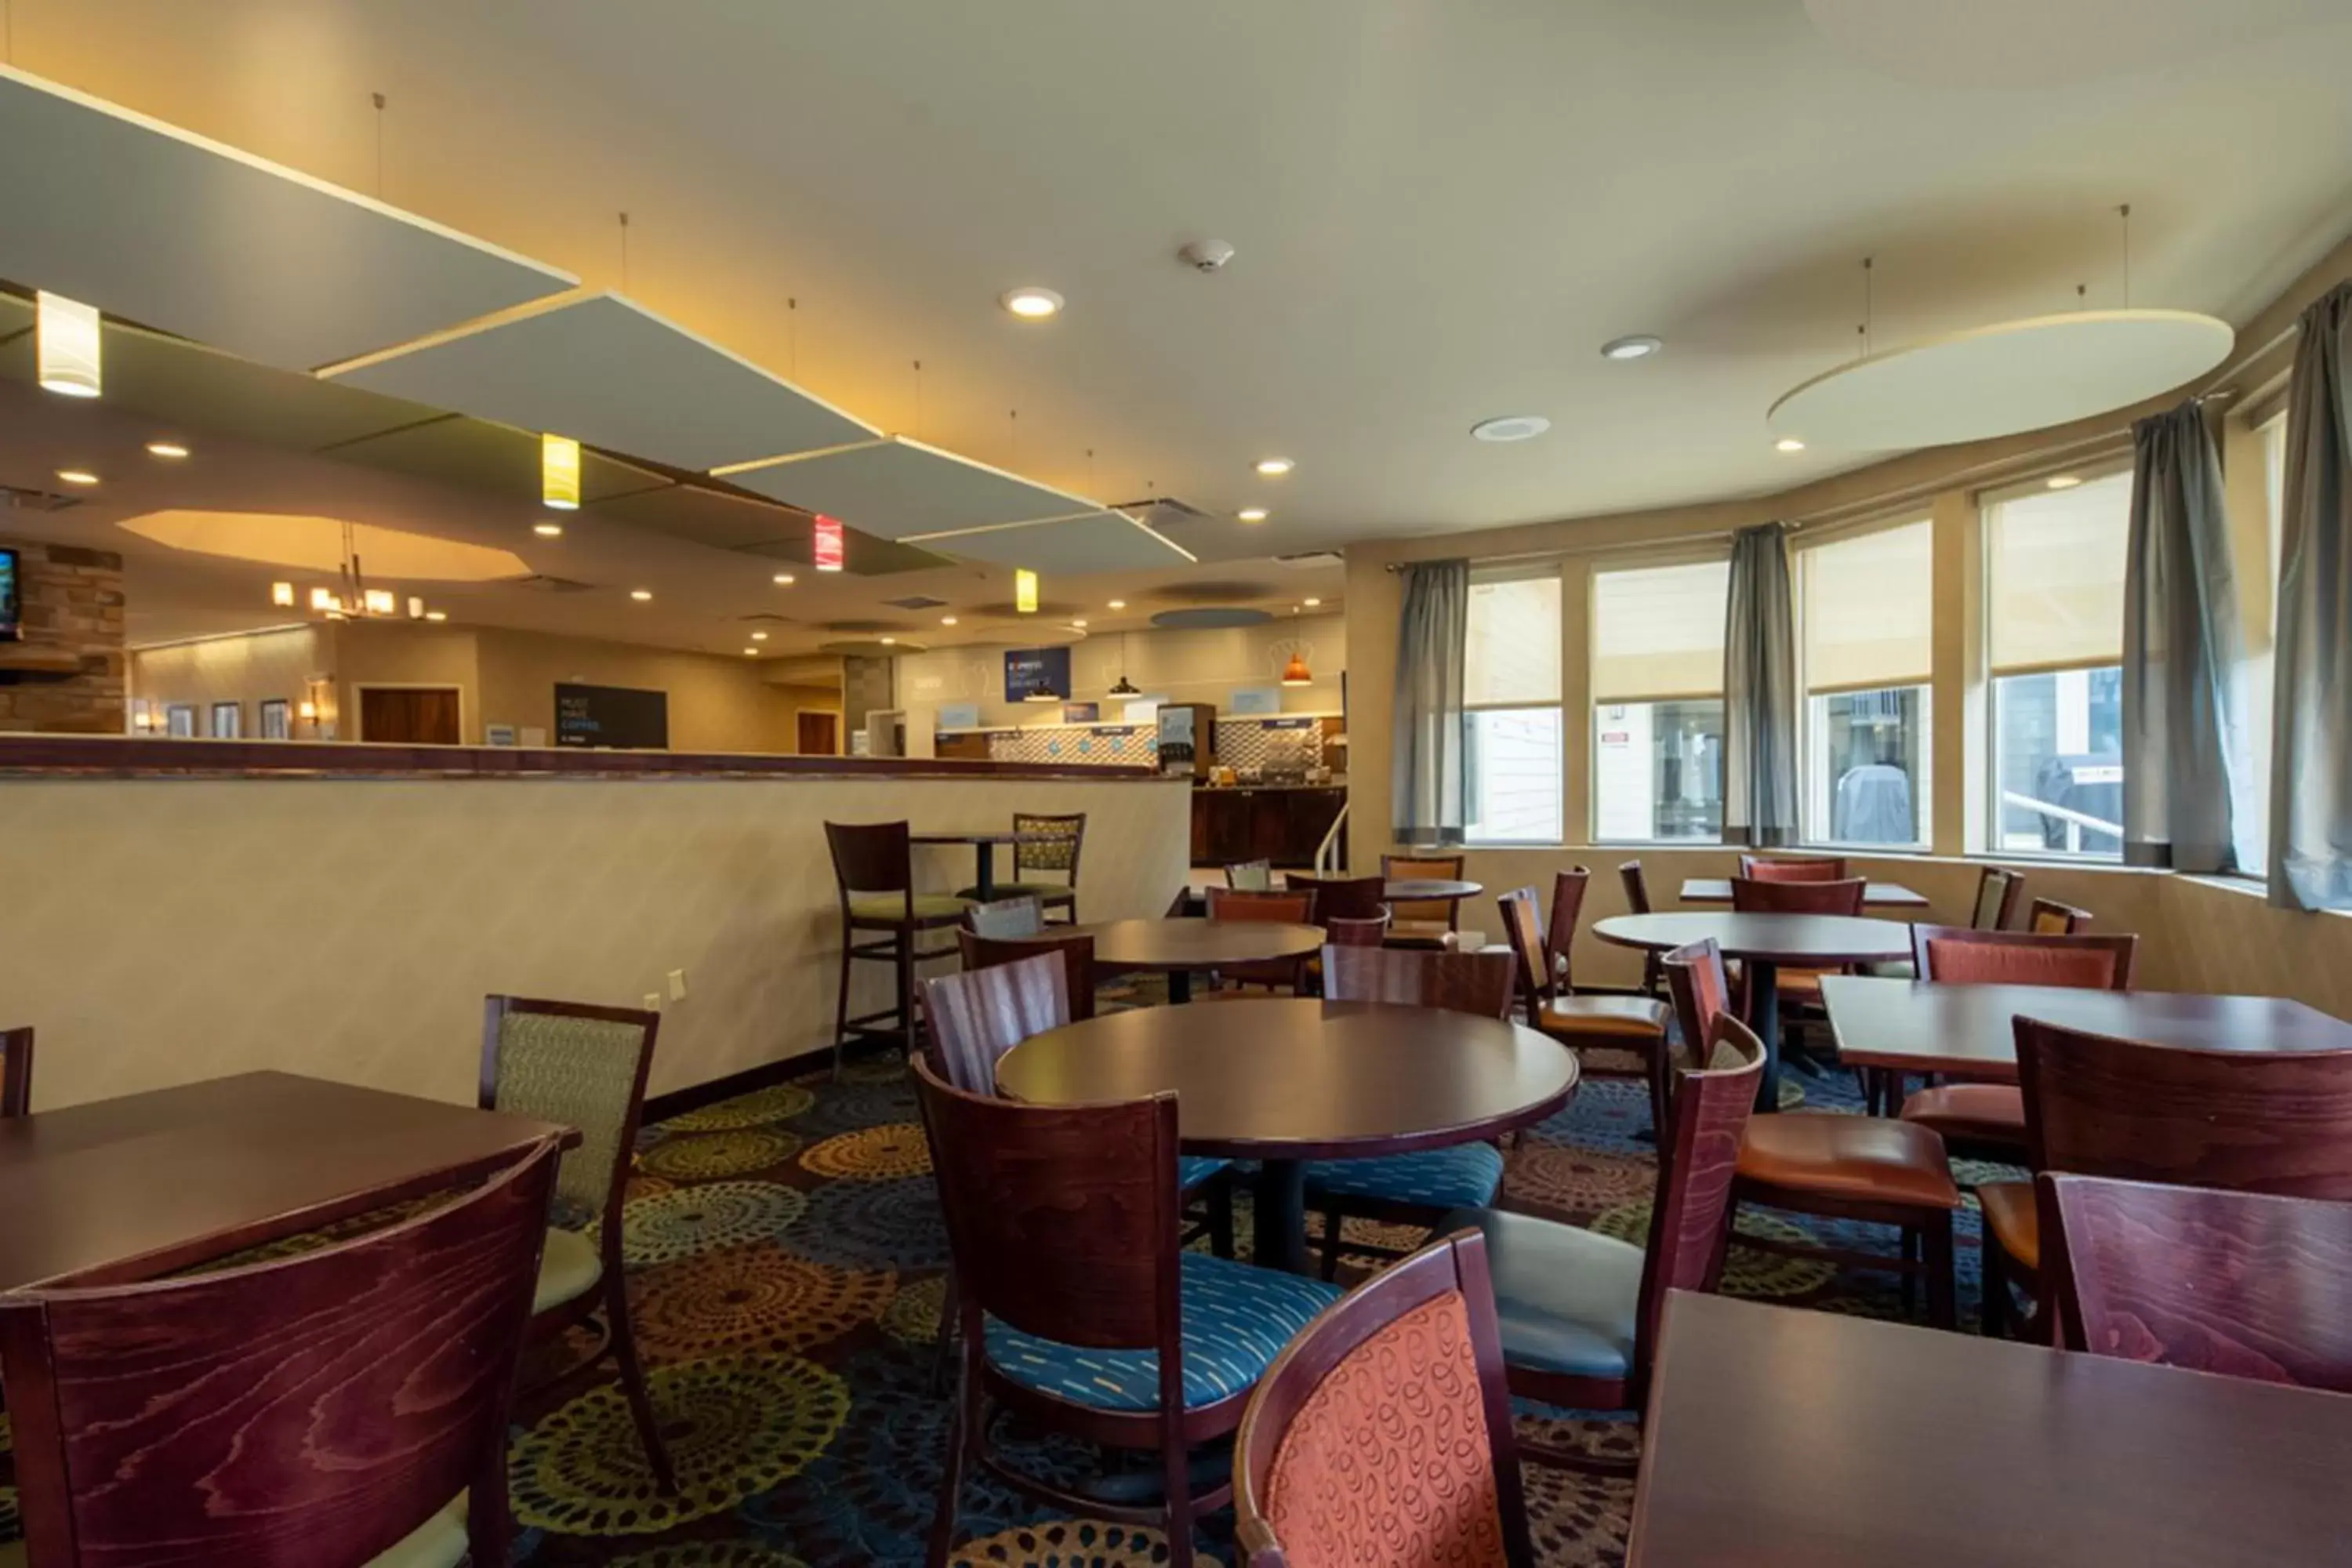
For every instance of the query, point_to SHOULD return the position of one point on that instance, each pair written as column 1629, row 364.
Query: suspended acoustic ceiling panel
column 777, row 535
column 899, row 489
column 1072, row 546
column 2001, row 379
column 611, row 374
column 155, row 224
column 496, row 459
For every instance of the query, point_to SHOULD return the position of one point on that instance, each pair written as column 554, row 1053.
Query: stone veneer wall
column 72, row 601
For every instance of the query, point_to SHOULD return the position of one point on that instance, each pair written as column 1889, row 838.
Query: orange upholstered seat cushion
column 1869, row 1158
column 1620, row 1017
column 1418, row 933
column 1975, row 1113
column 1389, row 1460
column 2010, row 1215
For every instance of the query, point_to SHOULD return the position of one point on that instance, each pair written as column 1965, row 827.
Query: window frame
column 1811, row 737
column 1715, row 550
column 1521, row 572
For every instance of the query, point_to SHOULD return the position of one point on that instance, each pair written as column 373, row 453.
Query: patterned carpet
column 786, row 1256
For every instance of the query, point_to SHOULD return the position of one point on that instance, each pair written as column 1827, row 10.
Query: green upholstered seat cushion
column 893, row 906
column 439, row 1542
column 568, row 1269
column 1566, row 1298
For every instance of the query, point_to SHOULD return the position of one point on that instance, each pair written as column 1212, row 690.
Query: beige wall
column 247, row 670
column 163, row 930
column 715, row 704
column 814, row 700
column 1182, row 665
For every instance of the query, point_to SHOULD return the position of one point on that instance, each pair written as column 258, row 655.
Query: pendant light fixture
column 559, row 472
column 1125, row 687
column 827, row 545
column 1295, row 672
column 1024, row 591
column 67, row 340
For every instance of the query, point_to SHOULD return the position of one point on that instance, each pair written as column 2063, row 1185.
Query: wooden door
column 412, row 715
column 820, row 735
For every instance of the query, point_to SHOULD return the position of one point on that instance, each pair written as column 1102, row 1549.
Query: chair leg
column 1332, row 1224
column 1175, row 1463
column 943, row 1352
column 633, row 1382
column 963, row 1425
column 1943, row 1289
column 1910, row 1278
column 1660, row 1110
column 841, row 1008
column 1992, row 1270
column 1220, row 1199
column 904, row 964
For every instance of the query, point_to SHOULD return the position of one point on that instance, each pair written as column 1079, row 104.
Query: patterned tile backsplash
column 1275, row 745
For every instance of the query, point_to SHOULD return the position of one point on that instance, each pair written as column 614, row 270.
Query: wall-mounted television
column 12, row 614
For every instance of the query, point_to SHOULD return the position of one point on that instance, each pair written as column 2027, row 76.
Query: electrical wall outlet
column 677, row 985
column 653, row 1001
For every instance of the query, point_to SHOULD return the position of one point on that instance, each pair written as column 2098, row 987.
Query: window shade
column 1868, row 606
column 2055, row 587
column 1511, row 655
column 1657, row 632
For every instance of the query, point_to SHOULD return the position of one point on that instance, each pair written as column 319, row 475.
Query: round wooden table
column 1286, row 1080
column 1181, row 947
column 1763, row 943
column 1428, row 890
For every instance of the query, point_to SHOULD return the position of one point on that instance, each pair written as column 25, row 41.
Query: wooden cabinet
column 1285, row 826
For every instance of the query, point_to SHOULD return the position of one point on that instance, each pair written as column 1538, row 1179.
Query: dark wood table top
column 1429, row 889
column 1918, row 1026
column 1190, row 945
column 1772, row 939
column 1296, row 1079
column 1782, row 1437
column 1874, row 895
column 137, row 1187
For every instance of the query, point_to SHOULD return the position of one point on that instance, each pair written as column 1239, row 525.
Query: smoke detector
column 1206, row 255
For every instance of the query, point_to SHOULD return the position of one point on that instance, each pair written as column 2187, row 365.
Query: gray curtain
column 1759, row 692
column 1427, row 788
column 2311, row 705
column 2184, row 709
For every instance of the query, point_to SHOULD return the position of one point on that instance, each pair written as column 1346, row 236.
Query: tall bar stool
column 873, row 871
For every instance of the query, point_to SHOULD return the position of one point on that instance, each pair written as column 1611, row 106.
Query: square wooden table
column 1918, row 1027
column 1874, row 895
column 1781, row 1437
column 138, row 1187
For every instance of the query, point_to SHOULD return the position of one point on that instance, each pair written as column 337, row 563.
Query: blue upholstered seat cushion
column 1236, row 1320
column 1191, row 1170
column 1567, row 1297
column 1466, row 1175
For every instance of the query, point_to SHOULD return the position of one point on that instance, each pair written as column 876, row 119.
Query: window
column 1866, row 605
column 1657, row 702
column 1510, row 684
column 2054, row 600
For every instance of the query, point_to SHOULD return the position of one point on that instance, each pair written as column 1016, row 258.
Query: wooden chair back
column 17, row 1072
column 1523, row 929
column 1293, row 907
column 1637, row 888
column 1568, row 890
column 309, row 1409
column 1793, row 867
column 1963, row 955
column 2048, row 917
column 872, row 857
column 1250, row 875
column 2243, row 1284
column 1342, row 898
column 1394, row 1396
column 1058, row 852
column 1076, row 951
column 1809, row 896
column 1430, row 868
column 1005, row 918
column 1485, row 983
column 1690, row 1217
column 992, row 1006
column 1345, row 932
column 582, row 1066
column 1062, row 1219
column 1997, row 891
column 2247, row 1120
column 1701, row 989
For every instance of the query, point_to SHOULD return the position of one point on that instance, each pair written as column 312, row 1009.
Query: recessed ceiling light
column 1312, row 604
column 1788, row 444
column 2063, row 482
column 888, row 641
column 170, row 450
column 1080, row 624
column 76, row 476
column 1031, row 304
column 946, row 620
column 1118, row 603
column 641, row 594
column 1252, row 514
column 751, row 653
column 784, row 579
column 548, row 530
column 1274, row 468
column 1639, row 346
column 436, row 614
column 1511, row 427
column 759, row 637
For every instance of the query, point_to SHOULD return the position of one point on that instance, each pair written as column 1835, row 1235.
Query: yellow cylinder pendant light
column 1024, row 591
column 66, row 335
column 559, row 472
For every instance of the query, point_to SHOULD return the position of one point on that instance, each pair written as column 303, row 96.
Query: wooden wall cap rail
column 109, row 756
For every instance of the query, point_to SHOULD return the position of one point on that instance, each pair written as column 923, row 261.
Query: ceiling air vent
column 915, row 602
column 1161, row 512
column 861, row 627
column 540, row 583
column 1310, row 559
column 36, row 501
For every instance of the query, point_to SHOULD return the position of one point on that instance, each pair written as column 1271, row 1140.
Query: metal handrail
column 1326, row 860
column 2075, row 821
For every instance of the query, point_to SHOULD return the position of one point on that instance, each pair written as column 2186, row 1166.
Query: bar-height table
column 983, row 844
column 137, row 1187
column 1874, row 896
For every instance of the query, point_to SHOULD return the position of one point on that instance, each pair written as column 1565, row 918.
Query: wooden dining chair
column 874, row 874
column 2048, row 917
column 1793, row 867
column 1382, row 1433
column 1871, row 1170
column 2096, row 1105
column 1048, row 844
column 1250, row 875
column 1342, row 898
column 1998, row 889
column 1076, row 952
column 17, row 1072
column 1579, row 1310
column 1801, row 987
column 1484, row 982
column 1631, row 1028
column 1004, row 919
column 1345, row 932
column 1079, row 1310
column 585, row 1067
column 345, row 1406
column 1296, row 907
column 1423, row 922
column 1636, row 883
column 1990, row 1118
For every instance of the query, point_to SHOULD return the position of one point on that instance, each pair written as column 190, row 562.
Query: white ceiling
column 1441, row 209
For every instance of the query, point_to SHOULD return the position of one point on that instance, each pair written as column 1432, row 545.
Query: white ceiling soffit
column 900, row 489
column 1073, row 546
column 606, row 371
column 2001, row 379
column 157, row 224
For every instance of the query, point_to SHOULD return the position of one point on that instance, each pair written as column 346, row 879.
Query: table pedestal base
column 1279, row 1236
column 1764, row 1017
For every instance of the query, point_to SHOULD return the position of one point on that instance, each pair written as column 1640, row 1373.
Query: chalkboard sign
column 612, row 716
column 1028, row 670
